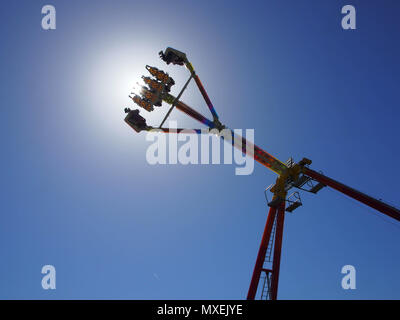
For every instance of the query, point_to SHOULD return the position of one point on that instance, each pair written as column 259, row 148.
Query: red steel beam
column 258, row 154
column 255, row 279
column 205, row 96
column 355, row 194
column 280, row 219
column 193, row 113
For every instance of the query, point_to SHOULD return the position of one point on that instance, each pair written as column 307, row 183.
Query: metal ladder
column 266, row 288
column 270, row 248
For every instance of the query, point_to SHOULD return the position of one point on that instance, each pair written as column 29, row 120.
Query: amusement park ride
column 290, row 175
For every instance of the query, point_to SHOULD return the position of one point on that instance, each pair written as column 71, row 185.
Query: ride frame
column 290, row 175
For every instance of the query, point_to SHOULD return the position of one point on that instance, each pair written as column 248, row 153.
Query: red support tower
column 258, row 268
column 269, row 251
column 280, row 219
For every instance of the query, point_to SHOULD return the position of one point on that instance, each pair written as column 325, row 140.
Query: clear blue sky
column 77, row 192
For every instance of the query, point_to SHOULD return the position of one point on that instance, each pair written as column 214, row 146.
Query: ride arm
column 355, row 194
column 237, row 141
